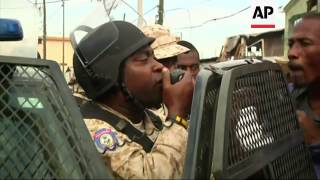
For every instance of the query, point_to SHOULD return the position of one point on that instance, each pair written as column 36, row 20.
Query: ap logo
column 263, row 14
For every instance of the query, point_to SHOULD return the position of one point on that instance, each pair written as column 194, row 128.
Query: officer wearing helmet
column 122, row 83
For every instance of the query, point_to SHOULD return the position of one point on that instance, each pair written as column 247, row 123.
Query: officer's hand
column 311, row 130
column 177, row 97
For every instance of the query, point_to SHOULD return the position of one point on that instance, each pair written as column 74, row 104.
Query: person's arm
column 165, row 161
column 312, row 138
column 130, row 161
column 310, row 129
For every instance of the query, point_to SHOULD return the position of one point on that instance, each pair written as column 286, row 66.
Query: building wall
column 271, row 42
column 293, row 9
column 273, row 45
column 54, row 51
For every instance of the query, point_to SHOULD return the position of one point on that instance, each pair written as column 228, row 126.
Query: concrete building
column 54, row 51
column 262, row 45
column 294, row 10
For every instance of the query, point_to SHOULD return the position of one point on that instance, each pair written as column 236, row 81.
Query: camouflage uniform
column 129, row 160
column 162, row 112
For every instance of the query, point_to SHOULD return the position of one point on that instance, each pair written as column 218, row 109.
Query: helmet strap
column 130, row 97
column 128, row 94
column 154, row 118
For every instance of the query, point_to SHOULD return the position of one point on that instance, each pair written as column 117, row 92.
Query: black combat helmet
column 97, row 73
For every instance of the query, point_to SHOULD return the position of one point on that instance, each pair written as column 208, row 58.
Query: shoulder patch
column 105, row 140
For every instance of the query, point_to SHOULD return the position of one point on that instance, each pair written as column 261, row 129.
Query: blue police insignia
column 105, row 140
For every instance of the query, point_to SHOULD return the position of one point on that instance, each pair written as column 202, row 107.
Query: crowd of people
column 138, row 120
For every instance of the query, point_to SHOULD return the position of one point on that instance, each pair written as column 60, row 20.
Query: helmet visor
column 89, row 52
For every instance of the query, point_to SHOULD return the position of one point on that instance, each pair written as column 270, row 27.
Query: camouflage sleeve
column 130, row 161
column 165, row 161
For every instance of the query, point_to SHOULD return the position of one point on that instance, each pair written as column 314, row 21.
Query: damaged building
column 267, row 45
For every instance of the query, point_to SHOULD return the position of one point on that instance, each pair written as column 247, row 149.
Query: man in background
column 190, row 60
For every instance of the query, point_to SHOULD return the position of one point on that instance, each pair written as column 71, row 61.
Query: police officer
column 122, row 83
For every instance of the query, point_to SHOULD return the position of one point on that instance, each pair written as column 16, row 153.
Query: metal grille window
column 200, row 139
column 249, row 130
column 261, row 127
column 42, row 134
column 260, row 114
column 293, row 165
